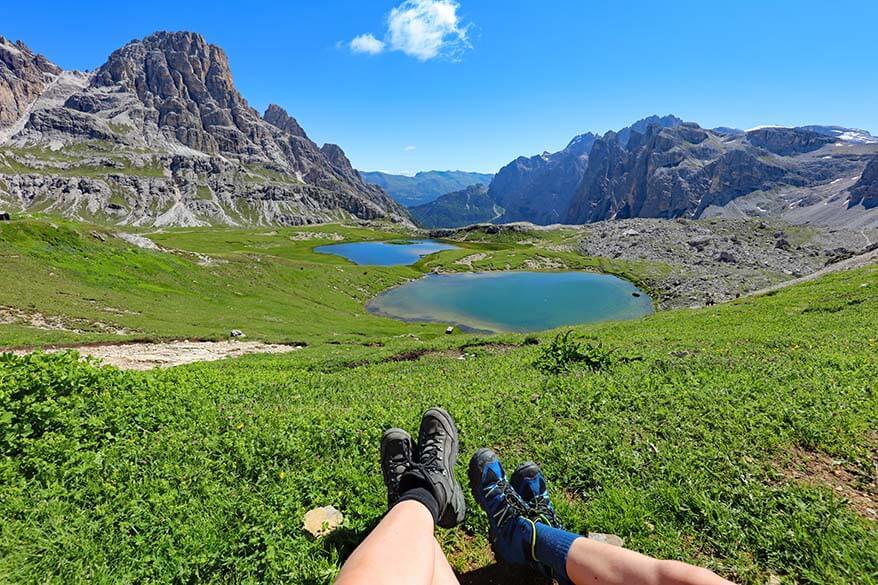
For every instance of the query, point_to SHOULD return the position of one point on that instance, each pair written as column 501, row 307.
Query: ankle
column 424, row 497
column 551, row 548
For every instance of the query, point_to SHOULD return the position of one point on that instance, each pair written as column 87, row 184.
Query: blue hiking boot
column 530, row 483
column 512, row 534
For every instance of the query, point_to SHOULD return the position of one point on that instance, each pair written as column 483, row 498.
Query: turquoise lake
column 385, row 253
column 514, row 301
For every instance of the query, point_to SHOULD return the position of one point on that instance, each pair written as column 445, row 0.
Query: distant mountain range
column 425, row 186
column 662, row 167
column 159, row 135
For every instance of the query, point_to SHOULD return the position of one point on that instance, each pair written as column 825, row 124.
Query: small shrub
column 566, row 351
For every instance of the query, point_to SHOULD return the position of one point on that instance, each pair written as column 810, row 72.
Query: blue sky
column 471, row 84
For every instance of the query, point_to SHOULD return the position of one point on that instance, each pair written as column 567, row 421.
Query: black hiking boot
column 434, row 466
column 396, row 459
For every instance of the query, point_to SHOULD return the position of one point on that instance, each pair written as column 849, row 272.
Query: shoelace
column 514, row 507
column 430, row 456
column 541, row 505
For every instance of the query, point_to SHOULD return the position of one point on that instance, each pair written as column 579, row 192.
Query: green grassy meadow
column 692, row 449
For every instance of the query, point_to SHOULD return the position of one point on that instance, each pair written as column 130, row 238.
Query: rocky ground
column 146, row 356
column 717, row 260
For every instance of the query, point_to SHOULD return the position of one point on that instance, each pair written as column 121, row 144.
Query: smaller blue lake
column 399, row 253
column 514, row 301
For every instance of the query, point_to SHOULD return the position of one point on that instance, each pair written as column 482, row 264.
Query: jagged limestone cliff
column 159, row 135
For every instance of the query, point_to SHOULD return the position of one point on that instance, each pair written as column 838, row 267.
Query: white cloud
column 410, row 148
column 423, row 29
column 367, row 44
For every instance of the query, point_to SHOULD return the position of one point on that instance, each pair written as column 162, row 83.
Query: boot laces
column 513, row 506
column 431, row 454
column 541, row 505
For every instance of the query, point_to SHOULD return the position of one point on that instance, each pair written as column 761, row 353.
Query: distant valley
column 426, row 186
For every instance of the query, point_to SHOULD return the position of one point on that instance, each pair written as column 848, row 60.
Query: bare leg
column 442, row 571
column 401, row 549
column 590, row 562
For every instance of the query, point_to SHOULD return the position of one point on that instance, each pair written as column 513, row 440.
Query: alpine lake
column 494, row 301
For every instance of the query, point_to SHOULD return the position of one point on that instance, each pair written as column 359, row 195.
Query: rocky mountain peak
column 169, row 101
column 189, row 83
column 279, row 118
column 23, row 77
column 581, row 145
column 641, row 126
column 336, row 156
column 169, row 65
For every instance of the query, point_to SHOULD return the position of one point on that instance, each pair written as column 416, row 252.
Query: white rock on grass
column 321, row 521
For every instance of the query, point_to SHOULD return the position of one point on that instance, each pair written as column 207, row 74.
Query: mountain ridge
column 460, row 208
column 167, row 139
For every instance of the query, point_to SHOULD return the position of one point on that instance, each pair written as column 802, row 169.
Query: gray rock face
column 23, row 77
column 640, row 126
column 682, row 171
column 865, row 190
column 278, row 117
column 538, row 189
column 168, row 133
column 787, row 141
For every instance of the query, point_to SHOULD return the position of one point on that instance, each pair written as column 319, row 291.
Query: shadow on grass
column 343, row 540
column 501, row 574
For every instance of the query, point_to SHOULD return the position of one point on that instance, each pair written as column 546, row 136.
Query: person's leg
column 421, row 494
column 401, row 549
column 530, row 535
column 590, row 561
column 443, row 574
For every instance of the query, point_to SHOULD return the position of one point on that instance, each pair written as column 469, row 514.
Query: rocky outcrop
column 165, row 113
column 23, row 77
column 278, row 117
column 338, row 159
column 538, row 189
column 640, row 126
column 715, row 260
column 787, row 141
column 682, row 171
column 865, row 191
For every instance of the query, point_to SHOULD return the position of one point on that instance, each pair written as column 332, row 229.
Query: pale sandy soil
column 146, row 356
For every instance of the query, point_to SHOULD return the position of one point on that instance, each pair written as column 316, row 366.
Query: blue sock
column 551, row 548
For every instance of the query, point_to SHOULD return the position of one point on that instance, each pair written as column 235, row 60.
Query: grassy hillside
column 88, row 285
column 694, row 451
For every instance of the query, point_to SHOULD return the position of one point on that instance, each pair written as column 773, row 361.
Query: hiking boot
column 512, row 534
column 530, row 483
column 396, row 459
column 434, row 466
